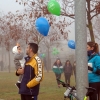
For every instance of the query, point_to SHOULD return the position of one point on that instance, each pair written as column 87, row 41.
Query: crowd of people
column 30, row 70
column 68, row 69
column 93, row 59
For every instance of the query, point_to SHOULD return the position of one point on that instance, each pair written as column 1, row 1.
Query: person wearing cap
column 19, row 61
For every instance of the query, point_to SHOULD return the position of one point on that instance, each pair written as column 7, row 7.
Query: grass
column 48, row 88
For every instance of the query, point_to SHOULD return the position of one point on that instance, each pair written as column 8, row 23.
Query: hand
column 20, row 71
column 98, row 71
column 90, row 68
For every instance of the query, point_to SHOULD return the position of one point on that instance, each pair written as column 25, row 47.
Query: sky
column 10, row 5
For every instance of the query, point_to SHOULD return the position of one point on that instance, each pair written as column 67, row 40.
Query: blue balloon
column 42, row 25
column 71, row 44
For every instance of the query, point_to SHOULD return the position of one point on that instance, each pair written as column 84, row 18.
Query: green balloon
column 54, row 7
column 55, row 51
column 43, row 55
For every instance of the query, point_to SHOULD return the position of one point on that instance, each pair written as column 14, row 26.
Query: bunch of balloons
column 71, row 44
column 42, row 26
column 55, row 51
column 54, row 7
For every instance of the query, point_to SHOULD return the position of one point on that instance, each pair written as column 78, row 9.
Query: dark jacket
column 68, row 69
column 33, row 74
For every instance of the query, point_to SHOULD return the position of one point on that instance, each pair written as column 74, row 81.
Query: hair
column 34, row 47
column 56, row 62
column 66, row 62
column 95, row 45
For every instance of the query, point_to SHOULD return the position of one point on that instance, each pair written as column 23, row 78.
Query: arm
column 18, row 56
column 39, row 74
column 97, row 65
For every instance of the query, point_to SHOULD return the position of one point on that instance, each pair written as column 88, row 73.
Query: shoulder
column 97, row 58
column 37, row 60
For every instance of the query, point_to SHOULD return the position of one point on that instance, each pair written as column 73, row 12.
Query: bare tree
column 67, row 9
column 11, row 31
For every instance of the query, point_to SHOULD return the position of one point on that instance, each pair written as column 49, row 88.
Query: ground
column 48, row 89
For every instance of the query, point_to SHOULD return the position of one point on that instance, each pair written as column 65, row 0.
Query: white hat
column 15, row 50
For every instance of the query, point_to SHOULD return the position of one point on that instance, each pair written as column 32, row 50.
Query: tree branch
column 94, row 15
column 71, row 15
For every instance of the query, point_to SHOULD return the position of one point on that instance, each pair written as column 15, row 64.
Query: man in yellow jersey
column 32, row 74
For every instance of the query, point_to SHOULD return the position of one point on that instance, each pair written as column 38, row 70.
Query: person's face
column 58, row 61
column 19, row 49
column 28, row 50
column 89, row 48
column 68, row 62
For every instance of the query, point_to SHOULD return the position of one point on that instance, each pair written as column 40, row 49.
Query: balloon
column 55, row 51
column 71, row 44
column 54, row 7
column 42, row 25
column 42, row 55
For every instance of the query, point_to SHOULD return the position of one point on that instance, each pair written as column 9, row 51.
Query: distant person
column 67, row 71
column 2, row 65
column 74, row 69
column 19, row 61
column 58, row 70
column 93, row 69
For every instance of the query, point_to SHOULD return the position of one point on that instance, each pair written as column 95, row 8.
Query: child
column 19, row 61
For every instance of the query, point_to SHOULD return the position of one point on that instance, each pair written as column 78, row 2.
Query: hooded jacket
column 33, row 74
column 95, row 61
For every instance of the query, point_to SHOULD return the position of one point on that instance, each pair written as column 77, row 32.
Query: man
column 32, row 74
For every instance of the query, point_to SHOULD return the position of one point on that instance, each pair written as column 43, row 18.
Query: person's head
column 16, row 49
column 67, row 62
column 92, row 47
column 58, row 62
column 32, row 49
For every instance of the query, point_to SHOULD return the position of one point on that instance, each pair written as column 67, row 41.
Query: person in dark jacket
column 32, row 74
column 67, row 71
column 94, row 69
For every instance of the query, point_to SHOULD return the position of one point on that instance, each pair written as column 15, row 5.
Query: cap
column 14, row 50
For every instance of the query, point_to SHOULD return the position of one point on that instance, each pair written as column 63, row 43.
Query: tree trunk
column 9, row 61
column 2, row 60
column 90, row 27
column 48, row 60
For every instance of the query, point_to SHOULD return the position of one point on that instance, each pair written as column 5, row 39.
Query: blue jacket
column 33, row 74
column 95, row 60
